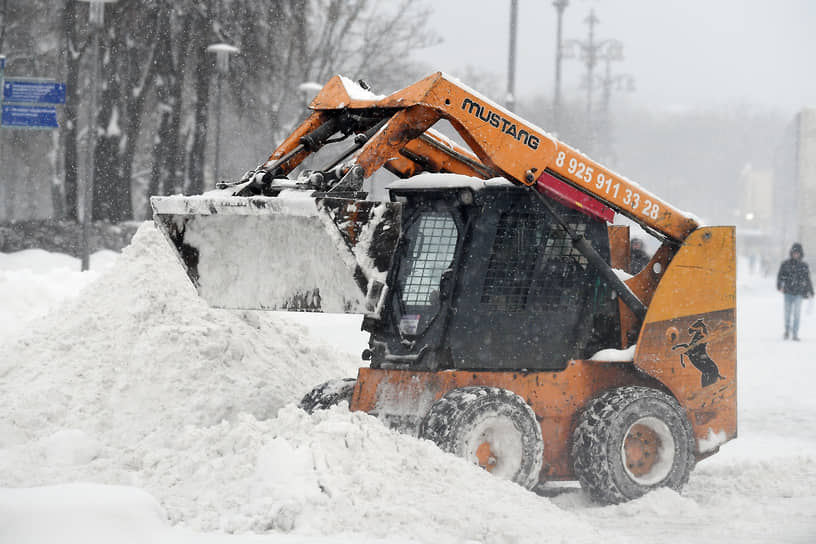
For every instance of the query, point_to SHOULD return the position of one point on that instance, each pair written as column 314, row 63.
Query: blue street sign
column 2, row 63
column 15, row 115
column 34, row 92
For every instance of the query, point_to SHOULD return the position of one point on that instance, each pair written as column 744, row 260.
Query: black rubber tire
column 328, row 394
column 469, row 417
column 605, row 472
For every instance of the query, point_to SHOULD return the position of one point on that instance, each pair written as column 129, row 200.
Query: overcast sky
column 681, row 53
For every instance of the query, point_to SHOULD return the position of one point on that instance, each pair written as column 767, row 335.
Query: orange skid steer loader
column 490, row 276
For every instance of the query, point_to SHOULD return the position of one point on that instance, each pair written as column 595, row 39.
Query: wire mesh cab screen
column 526, row 247
column 432, row 246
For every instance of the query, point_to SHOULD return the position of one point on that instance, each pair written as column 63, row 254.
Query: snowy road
column 135, row 384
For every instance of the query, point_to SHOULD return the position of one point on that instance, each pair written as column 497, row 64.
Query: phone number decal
column 607, row 185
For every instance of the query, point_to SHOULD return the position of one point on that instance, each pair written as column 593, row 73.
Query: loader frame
column 674, row 348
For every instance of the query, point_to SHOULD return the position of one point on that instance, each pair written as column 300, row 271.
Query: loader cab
column 484, row 278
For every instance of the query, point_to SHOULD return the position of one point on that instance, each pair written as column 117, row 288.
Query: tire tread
column 592, row 463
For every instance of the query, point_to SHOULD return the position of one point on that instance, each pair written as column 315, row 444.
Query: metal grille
column 559, row 244
column 512, row 262
column 432, row 249
column 562, row 270
column 523, row 242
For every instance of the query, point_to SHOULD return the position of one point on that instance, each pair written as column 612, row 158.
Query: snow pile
column 94, row 514
column 32, row 280
column 337, row 472
column 138, row 382
column 141, row 337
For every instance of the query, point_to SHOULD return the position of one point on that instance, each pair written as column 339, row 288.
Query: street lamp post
column 222, row 52
column 560, row 6
column 590, row 59
column 610, row 82
column 511, row 61
column 620, row 81
column 96, row 21
column 593, row 51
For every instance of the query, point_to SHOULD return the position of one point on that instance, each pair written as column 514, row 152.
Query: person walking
column 638, row 258
column 793, row 280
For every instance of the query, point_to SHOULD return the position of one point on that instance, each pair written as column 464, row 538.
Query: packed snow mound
column 93, row 513
column 137, row 352
column 140, row 337
column 336, row 472
column 331, row 473
column 38, row 279
column 138, row 382
column 75, row 411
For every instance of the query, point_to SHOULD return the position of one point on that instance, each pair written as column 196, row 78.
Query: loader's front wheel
column 491, row 427
column 328, row 394
column 629, row 441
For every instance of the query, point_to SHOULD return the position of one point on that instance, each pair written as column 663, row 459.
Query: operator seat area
column 484, row 278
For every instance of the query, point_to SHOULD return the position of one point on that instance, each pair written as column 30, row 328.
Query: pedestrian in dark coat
column 637, row 257
column 793, row 280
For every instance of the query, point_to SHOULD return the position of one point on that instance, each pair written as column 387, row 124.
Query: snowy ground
column 132, row 412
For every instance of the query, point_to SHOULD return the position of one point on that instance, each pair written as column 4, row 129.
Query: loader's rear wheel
column 328, row 394
column 491, row 427
column 629, row 441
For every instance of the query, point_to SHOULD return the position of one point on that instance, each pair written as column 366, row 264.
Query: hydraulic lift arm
column 501, row 143
column 395, row 132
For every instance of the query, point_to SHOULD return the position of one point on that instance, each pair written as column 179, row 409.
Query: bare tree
column 202, row 65
column 174, row 25
column 28, row 185
column 3, row 21
column 298, row 41
column 72, row 54
column 129, row 70
column 154, row 108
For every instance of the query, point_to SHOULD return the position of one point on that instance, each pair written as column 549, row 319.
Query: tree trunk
column 140, row 76
column 70, row 131
column 167, row 173
column 107, row 175
column 3, row 21
column 198, row 150
column 128, row 76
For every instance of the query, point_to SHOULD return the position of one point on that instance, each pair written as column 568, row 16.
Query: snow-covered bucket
column 288, row 252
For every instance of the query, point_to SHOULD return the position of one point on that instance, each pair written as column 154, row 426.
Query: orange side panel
column 618, row 246
column 619, row 259
column 689, row 336
column 402, row 398
column 643, row 284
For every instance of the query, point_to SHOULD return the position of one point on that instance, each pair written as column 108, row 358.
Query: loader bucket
column 289, row 252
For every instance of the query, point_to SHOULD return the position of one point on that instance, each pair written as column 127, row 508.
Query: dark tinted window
column 525, row 248
column 512, row 262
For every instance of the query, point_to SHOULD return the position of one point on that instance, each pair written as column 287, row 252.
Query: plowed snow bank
column 137, row 382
